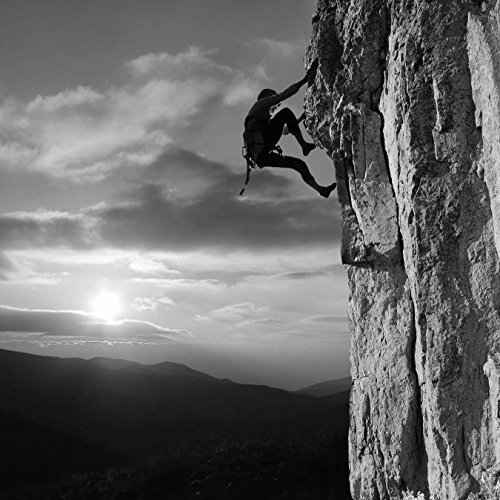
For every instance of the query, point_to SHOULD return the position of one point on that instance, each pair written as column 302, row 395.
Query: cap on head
column 266, row 93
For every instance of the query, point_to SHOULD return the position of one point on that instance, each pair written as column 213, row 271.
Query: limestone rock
column 406, row 102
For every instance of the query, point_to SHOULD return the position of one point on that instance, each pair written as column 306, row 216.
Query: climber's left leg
column 276, row 160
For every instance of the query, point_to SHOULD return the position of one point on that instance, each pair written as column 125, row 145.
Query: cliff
column 406, row 104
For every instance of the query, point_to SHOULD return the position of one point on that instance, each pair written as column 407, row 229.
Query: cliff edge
column 406, row 103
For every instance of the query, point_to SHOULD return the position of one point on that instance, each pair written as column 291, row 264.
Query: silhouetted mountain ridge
column 327, row 388
column 167, row 368
column 133, row 407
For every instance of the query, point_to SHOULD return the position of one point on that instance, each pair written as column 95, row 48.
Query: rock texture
column 406, row 102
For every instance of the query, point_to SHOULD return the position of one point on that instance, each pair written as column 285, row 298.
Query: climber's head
column 266, row 93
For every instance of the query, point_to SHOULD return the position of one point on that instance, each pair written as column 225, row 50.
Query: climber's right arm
column 269, row 102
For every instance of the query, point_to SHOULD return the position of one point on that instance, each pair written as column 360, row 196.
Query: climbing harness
column 252, row 164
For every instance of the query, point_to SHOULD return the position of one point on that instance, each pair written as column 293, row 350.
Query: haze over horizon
column 121, row 230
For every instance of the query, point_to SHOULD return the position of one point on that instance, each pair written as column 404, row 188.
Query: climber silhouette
column 264, row 130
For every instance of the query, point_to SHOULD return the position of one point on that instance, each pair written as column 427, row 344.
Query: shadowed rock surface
column 406, row 103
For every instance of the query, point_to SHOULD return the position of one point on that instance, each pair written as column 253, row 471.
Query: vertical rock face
column 407, row 104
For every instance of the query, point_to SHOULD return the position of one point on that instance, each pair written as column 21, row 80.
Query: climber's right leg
column 274, row 130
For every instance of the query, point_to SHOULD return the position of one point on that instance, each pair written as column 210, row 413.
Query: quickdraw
column 250, row 165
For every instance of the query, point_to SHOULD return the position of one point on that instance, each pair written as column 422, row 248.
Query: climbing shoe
column 326, row 191
column 308, row 147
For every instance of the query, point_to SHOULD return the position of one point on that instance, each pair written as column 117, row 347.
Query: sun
column 106, row 305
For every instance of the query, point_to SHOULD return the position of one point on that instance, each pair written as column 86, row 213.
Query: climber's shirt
column 258, row 117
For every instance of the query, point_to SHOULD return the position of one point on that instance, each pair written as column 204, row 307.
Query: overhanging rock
column 406, row 102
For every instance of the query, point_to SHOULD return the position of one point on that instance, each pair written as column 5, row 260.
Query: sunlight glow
column 106, row 305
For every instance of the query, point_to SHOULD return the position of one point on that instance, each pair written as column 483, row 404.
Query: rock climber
column 263, row 130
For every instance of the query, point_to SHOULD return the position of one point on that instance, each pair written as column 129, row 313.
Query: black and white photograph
column 249, row 250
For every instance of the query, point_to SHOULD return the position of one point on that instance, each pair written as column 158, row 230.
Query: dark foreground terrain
column 76, row 429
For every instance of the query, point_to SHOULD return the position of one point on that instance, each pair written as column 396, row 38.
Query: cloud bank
column 183, row 202
column 83, row 134
column 66, row 325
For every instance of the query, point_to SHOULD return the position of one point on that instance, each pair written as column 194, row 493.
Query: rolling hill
column 327, row 388
column 132, row 407
column 32, row 449
column 61, row 415
column 167, row 368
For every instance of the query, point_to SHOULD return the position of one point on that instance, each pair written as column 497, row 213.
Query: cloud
column 26, row 273
column 193, row 203
column 201, row 318
column 303, row 275
column 243, row 90
column 149, row 266
column 282, row 49
column 65, row 136
column 77, row 324
column 326, row 319
column 66, row 100
column 237, row 312
column 260, row 322
column 195, row 63
column 183, row 202
column 45, row 228
column 6, row 267
column 151, row 304
column 180, row 283
column 83, row 134
column 181, row 66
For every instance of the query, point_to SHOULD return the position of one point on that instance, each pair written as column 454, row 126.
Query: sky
column 121, row 230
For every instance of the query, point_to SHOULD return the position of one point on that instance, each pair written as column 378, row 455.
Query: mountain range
column 328, row 388
column 66, row 413
column 131, row 407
